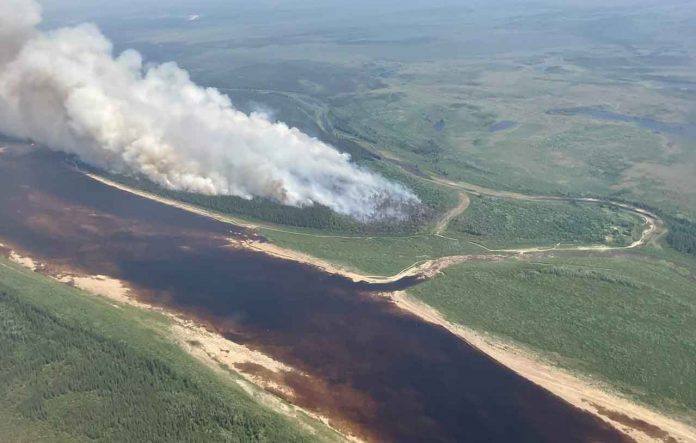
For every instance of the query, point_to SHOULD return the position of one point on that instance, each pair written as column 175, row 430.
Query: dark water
column 382, row 373
column 501, row 126
column 685, row 130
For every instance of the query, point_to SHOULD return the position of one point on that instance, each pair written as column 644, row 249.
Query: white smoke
column 65, row 89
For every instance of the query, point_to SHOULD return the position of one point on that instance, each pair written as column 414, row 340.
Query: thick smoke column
column 65, row 89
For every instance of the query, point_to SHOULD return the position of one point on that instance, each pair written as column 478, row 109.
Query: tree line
column 77, row 382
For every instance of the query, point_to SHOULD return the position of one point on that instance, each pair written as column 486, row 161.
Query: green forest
column 682, row 235
column 74, row 382
column 511, row 221
column 626, row 320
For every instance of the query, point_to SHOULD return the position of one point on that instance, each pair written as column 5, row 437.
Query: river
column 376, row 371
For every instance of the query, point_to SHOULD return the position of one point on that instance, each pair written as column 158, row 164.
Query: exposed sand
column 641, row 423
column 426, row 268
column 228, row 354
column 653, row 230
column 191, row 336
column 214, row 350
column 224, row 355
column 452, row 213
column 655, row 227
column 101, row 285
column 27, row 262
column 422, row 269
column 173, row 203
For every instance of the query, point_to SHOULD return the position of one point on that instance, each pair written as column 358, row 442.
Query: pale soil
column 210, row 214
column 598, row 399
column 479, row 190
column 422, row 269
column 655, row 226
column 222, row 349
column 583, row 393
column 300, row 415
column 216, row 351
column 654, row 229
column 174, row 203
column 110, row 288
column 199, row 341
column 425, row 268
column 452, row 213
column 27, row 262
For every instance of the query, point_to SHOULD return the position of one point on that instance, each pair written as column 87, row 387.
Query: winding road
column 563, row 384
column 423, row 269
column 654, row 225
column 452, row 214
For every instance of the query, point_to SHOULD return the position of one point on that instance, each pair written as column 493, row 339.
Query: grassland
column 76, row 368
column 378, row 255
column 427, row 87
column 542, row 153
column 489, row 222
column 431, row 82
column 627, row 320
column 503, row 222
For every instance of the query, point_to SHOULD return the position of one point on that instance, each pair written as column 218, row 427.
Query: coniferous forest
column 84, row 385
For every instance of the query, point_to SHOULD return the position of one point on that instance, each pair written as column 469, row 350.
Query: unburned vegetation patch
column 82, row 385
column 499, row 220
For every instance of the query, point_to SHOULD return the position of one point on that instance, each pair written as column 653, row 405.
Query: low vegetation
column 500, row 221
column 74, row 368
column 492, row 222
column 378, row 255
column 625, row 319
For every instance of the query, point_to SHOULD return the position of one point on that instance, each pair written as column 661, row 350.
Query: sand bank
column 212, row 349
column 639, row 422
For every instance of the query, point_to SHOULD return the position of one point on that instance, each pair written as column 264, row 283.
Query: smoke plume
column 66, row 89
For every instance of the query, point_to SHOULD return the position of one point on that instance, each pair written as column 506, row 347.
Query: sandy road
column 452, row 213
column 646, row 236
column 422, row 268
column 643, row 424
column 654, row 226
